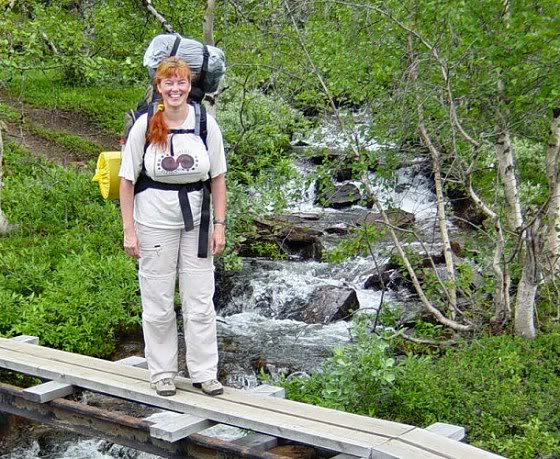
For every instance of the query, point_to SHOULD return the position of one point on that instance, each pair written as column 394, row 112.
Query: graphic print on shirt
column 184, row 161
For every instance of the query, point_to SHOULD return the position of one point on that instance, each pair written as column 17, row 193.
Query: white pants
column 163, row 253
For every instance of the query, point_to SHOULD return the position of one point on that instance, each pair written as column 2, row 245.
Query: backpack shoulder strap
column 200, row 122
column 176, row 44
column 203, row 125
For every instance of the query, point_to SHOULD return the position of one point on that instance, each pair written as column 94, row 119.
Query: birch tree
column 5, row 227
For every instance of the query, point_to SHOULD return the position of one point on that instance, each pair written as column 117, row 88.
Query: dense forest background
column 470, row 88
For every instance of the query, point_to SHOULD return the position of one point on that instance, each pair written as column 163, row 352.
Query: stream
column 261, row 326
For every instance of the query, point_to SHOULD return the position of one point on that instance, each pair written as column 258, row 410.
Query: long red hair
column 169, row 68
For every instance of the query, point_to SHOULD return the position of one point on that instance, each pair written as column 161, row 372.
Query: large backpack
column 207, row 64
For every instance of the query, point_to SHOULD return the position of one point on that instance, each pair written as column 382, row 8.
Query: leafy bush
column 357, row 378
column 64, row 277
column 257, row 130
column 505, row 390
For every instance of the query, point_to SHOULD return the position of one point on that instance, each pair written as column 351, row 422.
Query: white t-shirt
column 191, row 162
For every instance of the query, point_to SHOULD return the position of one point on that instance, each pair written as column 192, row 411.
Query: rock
column 299, row 217
column 389, row 277
column 225, row 282
column 467, row 213
column 320, row 155
column 397, row 217
column 343, row 174
column 299, row 241
column 341, row 196
column 340, row 229
column 330, row 304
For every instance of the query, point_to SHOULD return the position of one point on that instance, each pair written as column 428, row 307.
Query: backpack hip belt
column 144, row 182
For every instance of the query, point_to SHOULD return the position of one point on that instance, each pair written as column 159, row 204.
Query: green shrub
column 504, row 390
column 63, row 277
column 357, row 378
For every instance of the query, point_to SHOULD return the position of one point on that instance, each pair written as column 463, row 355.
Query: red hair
column 169, row 68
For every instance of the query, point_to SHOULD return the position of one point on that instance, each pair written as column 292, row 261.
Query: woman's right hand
column 131, row 244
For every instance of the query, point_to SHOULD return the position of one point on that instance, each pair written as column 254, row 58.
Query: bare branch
column 168, row 28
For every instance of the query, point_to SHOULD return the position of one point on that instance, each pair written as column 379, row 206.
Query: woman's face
column 174, row 91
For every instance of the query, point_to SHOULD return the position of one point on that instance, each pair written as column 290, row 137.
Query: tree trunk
column 208, row 32
column 524, row 321
column 552, row 158
column 4, row 225
column 502, row 300
column 451, row 284
column 506, row 169
column 208, row 27
column 168, row 27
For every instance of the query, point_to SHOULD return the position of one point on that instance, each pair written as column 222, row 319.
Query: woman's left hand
column 218, row 242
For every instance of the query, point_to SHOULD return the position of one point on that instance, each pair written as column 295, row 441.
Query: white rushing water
column 79, row 449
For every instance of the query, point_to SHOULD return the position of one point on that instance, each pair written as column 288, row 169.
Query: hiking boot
column 164, row 387
column 212, row 387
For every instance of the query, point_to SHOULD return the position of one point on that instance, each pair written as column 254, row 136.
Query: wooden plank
column 173, row 428
column 451, row 431
column 133, row 361
column 266, row 390
column 176, row 427
column 395, row 449
column 214, row 408
column 26, row 339
column 445, row 447
column 387, row 429
column 48, row 391
column 257, row 442
column 345, row 456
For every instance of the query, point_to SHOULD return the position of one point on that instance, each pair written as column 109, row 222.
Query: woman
column 165, row 205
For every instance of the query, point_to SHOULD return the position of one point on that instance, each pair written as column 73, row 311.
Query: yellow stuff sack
column 107, row 174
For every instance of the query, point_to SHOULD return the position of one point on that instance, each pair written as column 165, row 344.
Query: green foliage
column 64, row 277
column 357, row 378
column 499, row 383
column 257, row 130
column 359, row 244
column 8, row 114
column 505, row 390
column 268, row 250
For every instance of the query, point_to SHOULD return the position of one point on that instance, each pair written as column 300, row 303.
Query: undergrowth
column 63, row 275
column 504, row 390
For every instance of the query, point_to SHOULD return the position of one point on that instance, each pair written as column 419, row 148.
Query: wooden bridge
column 273, row 420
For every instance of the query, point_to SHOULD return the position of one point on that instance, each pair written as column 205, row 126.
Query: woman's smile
column 174, row 91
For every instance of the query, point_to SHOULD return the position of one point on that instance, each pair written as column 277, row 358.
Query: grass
column 104, row 105
column 63, row 274
column 9, row 114
column 80, row 148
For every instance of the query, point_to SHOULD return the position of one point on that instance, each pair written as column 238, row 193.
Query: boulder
column 397, row 217
column 389, row 276
column 467, row 213
column 297, row 240
column 319, row 155
column 329, row 304
column 340, row 196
